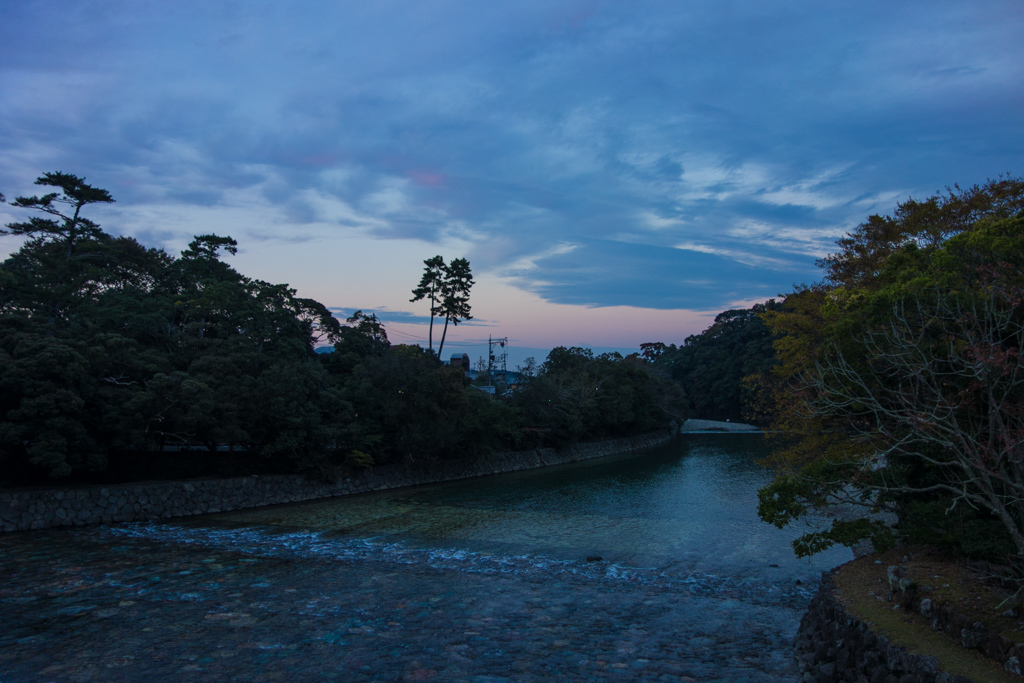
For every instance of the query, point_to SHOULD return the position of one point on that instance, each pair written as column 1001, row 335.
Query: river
column 652, row 566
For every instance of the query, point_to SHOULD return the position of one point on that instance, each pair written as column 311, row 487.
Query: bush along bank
column 42, row 508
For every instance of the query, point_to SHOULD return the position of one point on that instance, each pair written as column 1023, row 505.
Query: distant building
column 461, row 361
column 510, row 378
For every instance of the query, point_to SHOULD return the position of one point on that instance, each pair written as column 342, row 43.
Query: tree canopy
column 446, row 286
column 711, row 366
column 431, row 288
column 120, row 361
column 900, row 386
column 66, row 205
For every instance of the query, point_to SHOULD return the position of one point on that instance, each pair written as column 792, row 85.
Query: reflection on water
column 688, row 506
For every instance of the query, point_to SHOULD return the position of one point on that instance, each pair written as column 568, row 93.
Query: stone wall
column 831, row 645
column 23, row 509
column 969, row 634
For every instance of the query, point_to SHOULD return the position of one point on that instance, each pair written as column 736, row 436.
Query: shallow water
column 489, row 579
column 687, row 507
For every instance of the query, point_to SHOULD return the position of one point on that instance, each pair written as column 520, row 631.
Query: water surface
column 687, row 506
column 490, row 579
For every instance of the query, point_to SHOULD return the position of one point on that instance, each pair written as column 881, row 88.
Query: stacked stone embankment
column 832, row 645
column 41, row 508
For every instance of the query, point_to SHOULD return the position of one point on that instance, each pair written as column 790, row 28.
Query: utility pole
column 494, row 360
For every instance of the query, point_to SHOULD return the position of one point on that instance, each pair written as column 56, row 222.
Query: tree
column 925, row 224
column 318, row 321
column 446, row 286
column 579, row 396
column 900, row 383
column 410, row 408
column 430, row 288
column 362, row 337
column 371, row 329
column 110, row 351
column 208, row 247
column 526, row 371
column 458, row 280
column 72, row 227
column 938, row 387
column 711, row 366
column 653, row 351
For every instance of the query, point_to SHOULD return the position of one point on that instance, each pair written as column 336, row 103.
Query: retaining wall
column 832, row 645
column 39, row 508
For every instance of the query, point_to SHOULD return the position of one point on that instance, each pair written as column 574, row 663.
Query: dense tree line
column 711, row 367
column 118, row 360
column 577, row 395
column 899, row 383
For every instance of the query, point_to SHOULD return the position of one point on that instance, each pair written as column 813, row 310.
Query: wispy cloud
column 665, row 155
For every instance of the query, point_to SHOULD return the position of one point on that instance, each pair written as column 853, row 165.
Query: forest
column 895, row 384
column 119, row 361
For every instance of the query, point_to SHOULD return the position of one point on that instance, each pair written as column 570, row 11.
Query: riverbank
column 925, row 611
column 911, row 611
column 44, row 508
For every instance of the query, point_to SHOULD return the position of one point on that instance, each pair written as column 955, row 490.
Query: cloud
column 605, row 273
column 388, row 316
column 384, row 315
column 699, row 145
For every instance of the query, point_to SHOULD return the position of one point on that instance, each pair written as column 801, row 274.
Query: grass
column 864, row 590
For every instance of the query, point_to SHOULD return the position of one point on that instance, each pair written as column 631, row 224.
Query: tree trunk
column 430, row 335
column 445, row 332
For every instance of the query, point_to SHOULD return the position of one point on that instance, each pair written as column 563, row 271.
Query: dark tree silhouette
column 429, row 288
column 66, row 205
column 458, row 280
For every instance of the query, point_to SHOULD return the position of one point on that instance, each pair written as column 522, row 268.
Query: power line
column 493, row 360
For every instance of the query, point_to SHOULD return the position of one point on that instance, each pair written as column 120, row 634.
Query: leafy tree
column 458, row 280
column 900, row 381
column 45, row 386
column 207, row 247
column 431, row 287
column 121, row 361
column 410, row 408
column 925, row 224
column 362, row 337
column 653, row 351
column 446, row 286
column 526, row 371
column 112, row 352
column 66, row 205
column 317, row 321
column 579, row 396
column 711, row 366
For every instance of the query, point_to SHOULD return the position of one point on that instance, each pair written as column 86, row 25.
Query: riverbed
column 647, row 567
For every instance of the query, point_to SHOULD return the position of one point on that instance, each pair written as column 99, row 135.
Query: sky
column 616, row 173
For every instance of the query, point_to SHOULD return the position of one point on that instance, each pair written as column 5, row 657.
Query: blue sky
column 615, row 172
